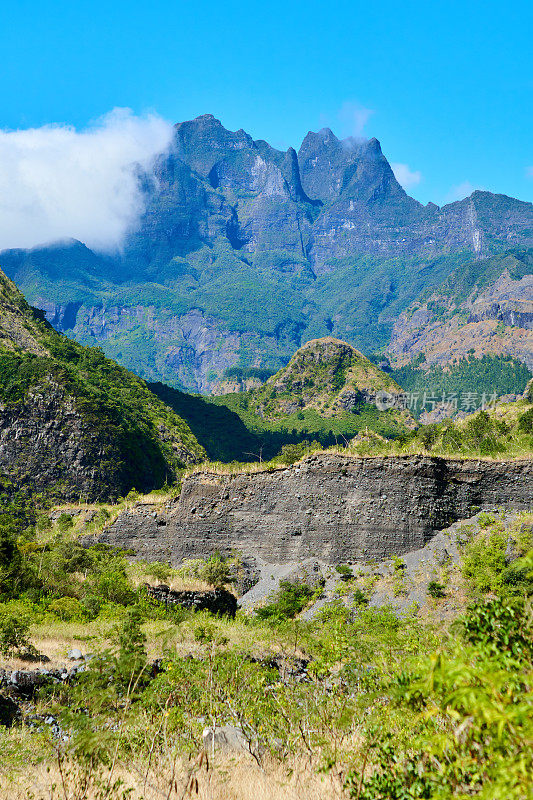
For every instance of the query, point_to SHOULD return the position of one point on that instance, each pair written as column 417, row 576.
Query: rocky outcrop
column 216, row 601
column 47, row 443
column 327, row 375
column 329, row 507
column 496, row 319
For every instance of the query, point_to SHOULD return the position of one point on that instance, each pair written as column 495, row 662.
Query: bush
column 14, row 628
column 91, row 606
column 159, row 570
column 436, row 590
column 484, row 561
column 518, row 576
column 288, row 601
column 525, row 421
column 16, row 574
column 216, row 571
column 360, row 598
column 66, row 608
column 500, row 626
column 345, row 571
column 65, row 522
column 485, row 520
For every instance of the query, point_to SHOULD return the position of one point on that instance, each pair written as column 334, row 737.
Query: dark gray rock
column 9, row 711
column 26, row 684
column 345, row 509
column 216, row 601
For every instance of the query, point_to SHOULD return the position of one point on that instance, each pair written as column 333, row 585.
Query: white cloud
column 354, row 117
column 405, row 176
column 57, row 182
column 461, row 191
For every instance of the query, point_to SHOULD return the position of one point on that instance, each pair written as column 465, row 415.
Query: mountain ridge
column 74, row 424
column 323, row 241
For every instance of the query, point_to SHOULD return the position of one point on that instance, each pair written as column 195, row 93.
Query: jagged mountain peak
column 329, row 165
column 246, row 249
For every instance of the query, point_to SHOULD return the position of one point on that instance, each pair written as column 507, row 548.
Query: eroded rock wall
column 329, row 507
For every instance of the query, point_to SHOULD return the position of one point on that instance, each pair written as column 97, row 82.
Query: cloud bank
column 405, row 176
column 58, row 183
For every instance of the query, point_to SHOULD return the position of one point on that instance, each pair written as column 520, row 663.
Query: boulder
column 228, row 739
column 217, row 601
column 9, row 711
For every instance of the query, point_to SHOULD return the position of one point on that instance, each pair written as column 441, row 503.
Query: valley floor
column 374, row 682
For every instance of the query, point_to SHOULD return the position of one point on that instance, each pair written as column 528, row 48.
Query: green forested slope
column 84, row 423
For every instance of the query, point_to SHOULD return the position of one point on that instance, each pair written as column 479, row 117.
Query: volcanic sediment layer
column 329, row 507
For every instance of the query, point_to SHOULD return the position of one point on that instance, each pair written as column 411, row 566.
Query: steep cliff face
column 265, row 249
column 46, row 442
column 329, row 507
column 186, row 349
column 74, row 424
column 489, row 311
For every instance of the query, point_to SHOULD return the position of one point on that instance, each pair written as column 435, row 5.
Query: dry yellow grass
column 221, row 778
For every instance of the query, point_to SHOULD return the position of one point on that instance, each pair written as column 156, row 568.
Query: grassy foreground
column 357, row 703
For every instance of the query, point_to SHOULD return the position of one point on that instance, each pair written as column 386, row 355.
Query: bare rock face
column 329, row 507
column 227, row 218
column 496, row 319
column 217, row 601
column 46, row 442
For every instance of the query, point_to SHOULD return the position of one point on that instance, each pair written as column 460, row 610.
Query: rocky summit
column 244, row 252
column 327, row 375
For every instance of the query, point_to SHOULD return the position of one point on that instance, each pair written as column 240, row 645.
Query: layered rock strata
column 329, row 507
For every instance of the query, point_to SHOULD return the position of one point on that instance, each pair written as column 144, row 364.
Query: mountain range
column 76, row 425
column 245, row 252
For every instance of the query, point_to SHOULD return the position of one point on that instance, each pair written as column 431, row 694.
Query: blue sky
column 445, row 86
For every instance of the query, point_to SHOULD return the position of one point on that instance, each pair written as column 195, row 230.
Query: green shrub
column 344, row 570
column 436, row 590
column 525, row 421
column 485, row 520
column 290, row 599
column 65, row 522
column 159, row 570
column 66, row 608
column 484, row 561
column 14, row 628
column 500, row 626
column 16, row 574
column 216, row 570
column 360, row 598
column 112, row 585
column 518, row 576
column 91, row 606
